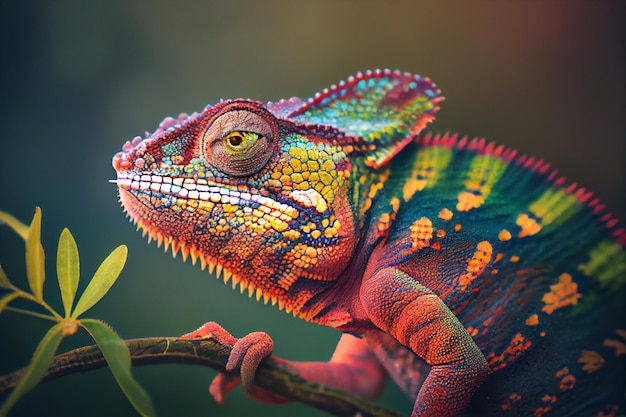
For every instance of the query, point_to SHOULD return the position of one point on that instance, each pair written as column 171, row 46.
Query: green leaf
column 68, row 269
column 103, row 279
column 118, row 358
column 19, row 227
column 4, row 280
column 37, row 368
column 6, row 299
column 35, row 258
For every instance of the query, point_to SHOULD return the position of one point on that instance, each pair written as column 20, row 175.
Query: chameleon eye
column 235, row 139
column 238, row 143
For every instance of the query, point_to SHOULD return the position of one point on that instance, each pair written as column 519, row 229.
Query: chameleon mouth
column 178, row 191
column 276, row 214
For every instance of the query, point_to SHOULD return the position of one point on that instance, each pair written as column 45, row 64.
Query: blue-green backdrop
column 80, row 78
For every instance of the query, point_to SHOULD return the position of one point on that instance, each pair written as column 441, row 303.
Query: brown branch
column 209, row 352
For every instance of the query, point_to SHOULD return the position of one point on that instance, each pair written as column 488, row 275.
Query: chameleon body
column 478, row 279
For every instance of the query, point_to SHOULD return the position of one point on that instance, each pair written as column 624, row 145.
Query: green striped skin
column 545, row 306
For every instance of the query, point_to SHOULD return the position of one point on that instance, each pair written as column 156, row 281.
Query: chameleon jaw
column 209, row 263
column 161, row 188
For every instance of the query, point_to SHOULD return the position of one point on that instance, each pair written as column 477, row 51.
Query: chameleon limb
column 424, row 324
column 353, row 367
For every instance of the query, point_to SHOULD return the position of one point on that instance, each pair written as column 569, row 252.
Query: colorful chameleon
column 476, row 278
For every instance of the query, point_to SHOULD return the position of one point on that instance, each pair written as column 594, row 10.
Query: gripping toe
column 247, row 354
column 245, row 357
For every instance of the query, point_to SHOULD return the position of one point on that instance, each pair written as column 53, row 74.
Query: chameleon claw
column 245, row 357
column 214, row 330
column 247, row 354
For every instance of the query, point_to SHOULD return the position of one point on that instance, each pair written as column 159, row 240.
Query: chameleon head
column 259, row 200
column 267, row 195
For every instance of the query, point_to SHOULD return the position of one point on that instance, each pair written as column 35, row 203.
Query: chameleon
column 476, row 278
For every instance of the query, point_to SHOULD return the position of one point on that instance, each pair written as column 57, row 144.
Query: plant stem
column 270, row 376
column 30, row 313
column 24, row 294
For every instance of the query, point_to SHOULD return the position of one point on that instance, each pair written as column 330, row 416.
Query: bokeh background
column 80, row 78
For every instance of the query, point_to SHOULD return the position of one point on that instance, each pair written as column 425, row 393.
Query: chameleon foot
column 245, row 356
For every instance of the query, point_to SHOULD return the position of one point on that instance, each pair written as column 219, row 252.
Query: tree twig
column 270, row 376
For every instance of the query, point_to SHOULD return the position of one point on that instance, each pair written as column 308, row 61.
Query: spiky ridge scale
column 538, row 166
column 210, row 264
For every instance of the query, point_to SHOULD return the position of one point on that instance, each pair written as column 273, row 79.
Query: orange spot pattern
column 445, row 214
column 518, row 345
column 567, row 382
column 541, row 411
column 514, row 397
column 473, row 331
column 592, row 361
column 469, row 200
column 421, row 233
column 498, row 258
column 492, row 317
column 562, row 294
column 620, row 347
column 377, row 181
column 562, row 372
column 476, row 266
column 532, row 320
column 528, row 224
column 385, row 220
column 611, row 411
column 504, row 235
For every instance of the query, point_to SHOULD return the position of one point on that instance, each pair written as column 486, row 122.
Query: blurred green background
column 80, row 78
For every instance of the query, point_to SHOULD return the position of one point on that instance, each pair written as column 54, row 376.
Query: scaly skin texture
column 477, row 279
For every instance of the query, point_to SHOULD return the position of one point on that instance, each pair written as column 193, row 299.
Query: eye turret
column 238, row 142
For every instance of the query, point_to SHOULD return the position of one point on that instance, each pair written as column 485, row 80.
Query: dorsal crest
column 379, row 112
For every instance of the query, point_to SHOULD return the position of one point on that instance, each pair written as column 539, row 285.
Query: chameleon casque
column 477, row 278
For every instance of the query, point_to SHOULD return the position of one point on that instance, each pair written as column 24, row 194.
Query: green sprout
column 112, row 346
